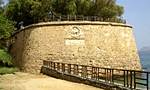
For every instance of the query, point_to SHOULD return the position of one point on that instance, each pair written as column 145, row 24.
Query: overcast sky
column 137, row 14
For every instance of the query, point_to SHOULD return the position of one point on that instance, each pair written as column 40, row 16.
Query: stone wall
column 103, row 44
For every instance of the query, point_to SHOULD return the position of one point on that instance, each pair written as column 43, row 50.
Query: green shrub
column 6, row 66
column 5, row 58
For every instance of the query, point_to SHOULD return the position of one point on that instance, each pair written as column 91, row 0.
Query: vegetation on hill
column 5, row 58
column 32, row 11
column 6, row 65
column 102, row 8
column 1, row 6
column 28, row 11
column 6, row 29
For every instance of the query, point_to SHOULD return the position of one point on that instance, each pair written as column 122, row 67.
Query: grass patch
column 6, row 65
column 8, row 70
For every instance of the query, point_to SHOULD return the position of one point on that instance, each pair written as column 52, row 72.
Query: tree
column 106, row 9
column 33, row 11
column 1, row 3
column 40, row 10
column 58, row 7
column 83, row 7
column 101, row 8
column 1, row 6
column 6, row 27
column 70, row 7
column 28, row 11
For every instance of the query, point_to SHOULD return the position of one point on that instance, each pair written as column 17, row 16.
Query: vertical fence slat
column 124, row 73
column 69, row 68
column 147, row 77
column 134, row 80
column 105, row 75
column 98, row 73
column 131, row 79
column 112, row 76
column 127, row 79
column 63, row 67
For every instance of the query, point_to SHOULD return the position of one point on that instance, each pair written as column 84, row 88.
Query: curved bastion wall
column 103, row 44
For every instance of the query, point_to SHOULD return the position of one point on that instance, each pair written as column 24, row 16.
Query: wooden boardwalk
column 105, row 78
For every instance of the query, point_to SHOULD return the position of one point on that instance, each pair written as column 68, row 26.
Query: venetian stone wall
column 101, row 44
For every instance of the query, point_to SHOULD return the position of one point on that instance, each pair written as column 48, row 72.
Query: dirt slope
column 25, row 81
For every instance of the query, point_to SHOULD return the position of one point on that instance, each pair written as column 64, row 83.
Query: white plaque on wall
column 74, row 42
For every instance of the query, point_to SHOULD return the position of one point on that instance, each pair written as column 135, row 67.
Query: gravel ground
column 25, row 81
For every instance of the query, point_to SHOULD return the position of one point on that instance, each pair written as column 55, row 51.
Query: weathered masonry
column 103, row 44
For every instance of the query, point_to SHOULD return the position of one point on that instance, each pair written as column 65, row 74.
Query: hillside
column 144, row 54
column 25, row 81
column 144, row 51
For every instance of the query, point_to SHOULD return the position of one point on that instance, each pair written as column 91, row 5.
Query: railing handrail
column 129, row 78
column 101, row 67
column 84, row 18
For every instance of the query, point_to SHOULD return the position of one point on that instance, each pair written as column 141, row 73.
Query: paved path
column 25, row 81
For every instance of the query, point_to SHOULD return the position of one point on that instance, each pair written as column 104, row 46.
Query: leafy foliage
column 83, row 7
column 32, row 11
column 102, row 8
column 64, row 7
column 1, row 6
column 28, row 11
column 5, row 58
column 1, row 3
column 6, row 27
column 107, row 9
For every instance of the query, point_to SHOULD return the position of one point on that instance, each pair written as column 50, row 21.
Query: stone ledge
column 58, row 23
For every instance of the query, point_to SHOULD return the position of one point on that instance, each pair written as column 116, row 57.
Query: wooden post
column 127, row 78
column 63, row 67
column 131, row 79
column 112, row 75
column 147, row 80
column 69, row 68
column 58, row 66
column 134, row 80
column 124, row 73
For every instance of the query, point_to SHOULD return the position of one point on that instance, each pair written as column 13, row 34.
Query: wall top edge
column 79, row 23
column 58, row 23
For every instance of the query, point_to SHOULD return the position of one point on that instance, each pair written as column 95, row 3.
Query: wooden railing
column 130, row 79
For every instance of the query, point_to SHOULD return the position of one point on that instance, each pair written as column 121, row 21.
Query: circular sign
column 75, row 32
